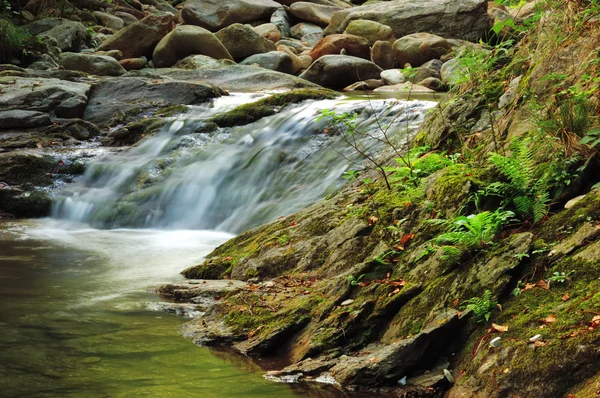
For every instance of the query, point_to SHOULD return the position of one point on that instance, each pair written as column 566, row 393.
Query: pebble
column 535, row 338
column 495, row 342
column 347, row 302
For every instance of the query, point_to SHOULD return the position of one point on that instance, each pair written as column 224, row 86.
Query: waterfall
column 230, row 179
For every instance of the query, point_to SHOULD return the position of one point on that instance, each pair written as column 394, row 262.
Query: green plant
column 354, row 281
column 560, row 277
column 12, row 40
column 482, row 307
column 350, row 175
column 474, row 231
column 524, row 191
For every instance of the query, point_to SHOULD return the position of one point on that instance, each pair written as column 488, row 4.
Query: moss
column 133, row 132
column 453, row 186
column 248, row 113
column 171, row 110
column 568, row 221
column 126, row 116
column 25, row 205
column 26, row 170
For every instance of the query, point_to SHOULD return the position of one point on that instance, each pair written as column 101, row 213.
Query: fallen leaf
column 373, row 360
column 253, row 333
column 455, row 302
column 595, row 322
column 397, row 290
column 539, row 343
column 500, row 328
column 542, row 284
column 499, row 307
column 529, row 286
column 373, row 220
column 228, row 258
column 566, row 297
column 549, row 319
column 397, row 283
column 406, row 238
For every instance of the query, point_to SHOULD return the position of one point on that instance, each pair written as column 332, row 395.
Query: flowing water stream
column 77, row 316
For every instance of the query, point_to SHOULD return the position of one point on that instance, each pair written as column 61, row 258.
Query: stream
column 79, row 317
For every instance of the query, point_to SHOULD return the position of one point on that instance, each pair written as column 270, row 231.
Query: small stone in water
column 347, row 302
column 495, row 342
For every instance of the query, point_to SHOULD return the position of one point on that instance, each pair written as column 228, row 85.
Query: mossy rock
column 249, row 113
column 25, row 204
column 171, row 110
column 26, row 170
column 452, row 187
column 133, row 132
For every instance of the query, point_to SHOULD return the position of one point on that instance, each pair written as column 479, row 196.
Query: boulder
column 296, row 61
column 307, row 32
column 315, row 13
column 427, row 70
column 370, row 30
column 281, row 19
column 133, row 63
column 352, row 45
column 118, row 96
column 116, row 54
column 215, row 14
column 269, row 31
column 186, row 40
column 382, row 54
column 126, row 17
column 242, row 41
column 108, row 20
column 140, row 38
column 61, row 97
column 465, row 19
column 367, row 85
column 393, row 76
column 407, row 87
column 234, row 77
column 273, row 60
column 69, row 35
column 432, row 83
column 339, row 71
column 452, row 71
column 17, row 119
column 197, row 62
column 418, row 48
column 99, row 65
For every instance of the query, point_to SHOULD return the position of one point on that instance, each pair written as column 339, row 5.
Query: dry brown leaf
column 253, row 333
column 539, row 343
column 499, row 306
column 455, row 302
column 566, row 297
column 595, row 322
column 396, row 291
column 373, row 220
column 549, row 319
column 542, row 284
column 529, row 286
column 500, row 328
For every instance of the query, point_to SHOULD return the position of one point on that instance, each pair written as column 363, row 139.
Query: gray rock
column 233, row 77
column 197, row 62
column 432, row 83
column 418, row 48
column 44, row 95
column 139, row 39
column 187, row 40
column 99, row 65
column 404, row 88
column 23, row 119
column 295, row 45
column 339, row 71
column 370, row 30
column 126, row 17
column 273, row 60
column 304, row 29
column 511, row 93
column 428, row 69
column 69, row 35
column 366, row 85
column 315, row 13
column 108, row 20
column 269, row 31
column 189, row 290
column 213, row 15
column 242, row 41
column 465, row 19
column 452, row 71
column 281, row 19
column 114, row 96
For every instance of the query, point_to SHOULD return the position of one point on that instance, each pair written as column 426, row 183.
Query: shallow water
column 75, row 318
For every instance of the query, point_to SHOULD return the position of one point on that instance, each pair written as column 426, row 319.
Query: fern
column 482, row 307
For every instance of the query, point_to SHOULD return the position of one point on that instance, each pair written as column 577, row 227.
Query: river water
column 78, row 316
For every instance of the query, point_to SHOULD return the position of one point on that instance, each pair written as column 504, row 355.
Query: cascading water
column 190, row 176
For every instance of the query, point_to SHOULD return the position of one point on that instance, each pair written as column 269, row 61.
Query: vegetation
column 482, row 307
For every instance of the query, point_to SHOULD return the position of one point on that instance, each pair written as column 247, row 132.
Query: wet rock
column 197, row 62
column 211, row 15
column 93, row 64
column 338, row 71
column 367, row 85
column 140, row 38
column 295, row 45
column 432, row 83
column 23, row 119
column 511, row 93
column 428, row 69
column 186, row 40
column 233, row 77
column 108, row 20
column 269, row 31
column 242, row 41
column 116, row 54
column 127, row 18
column 69, row 35
column 274, row 60
column 418, row 48
column 382, row 54
column 315, row 13
column 335, row 44
column 466, row 19
column 187, row 291
column 370, row 30
column 134, row 95
column 404, row 87
column 50, row 95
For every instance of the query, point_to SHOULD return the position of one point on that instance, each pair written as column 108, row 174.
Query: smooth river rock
column 217, row 14
column 462, row 19
column 339, row 71
column 100, row 65
column 242, row 41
